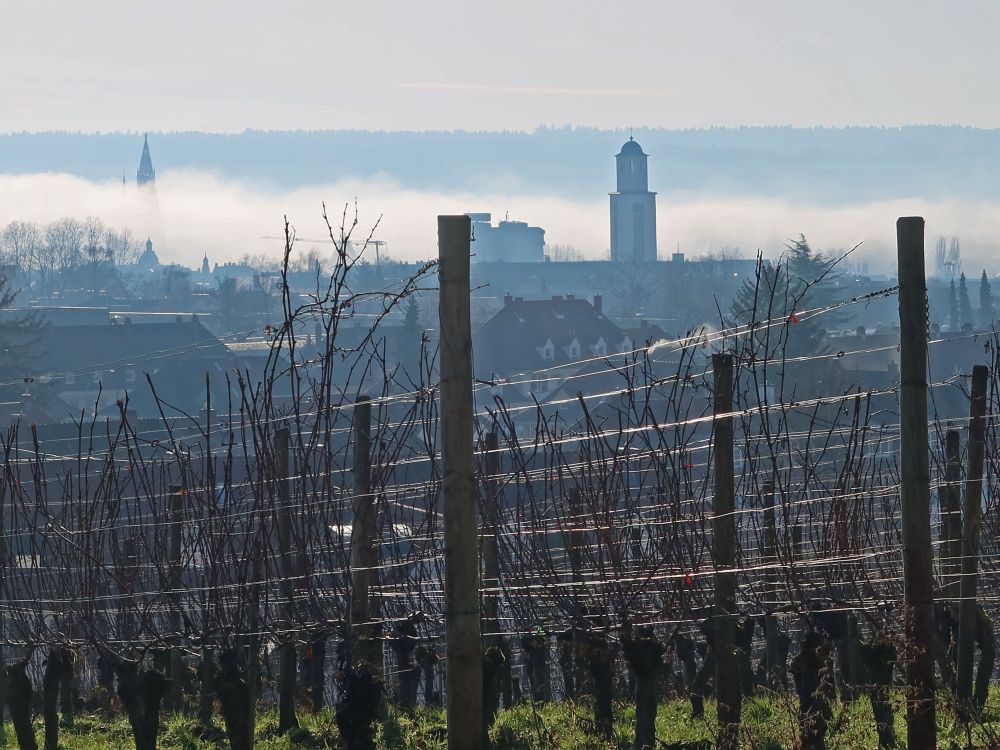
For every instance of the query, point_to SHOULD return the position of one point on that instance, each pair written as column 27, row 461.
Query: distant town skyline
column 719, row 189
column 109, row 65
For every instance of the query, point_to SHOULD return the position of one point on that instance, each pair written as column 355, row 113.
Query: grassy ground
column 768, row 724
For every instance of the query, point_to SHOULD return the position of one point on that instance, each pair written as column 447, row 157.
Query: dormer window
column 601, row 347
column 627, row 345
column 574, row 349
column 549, row 351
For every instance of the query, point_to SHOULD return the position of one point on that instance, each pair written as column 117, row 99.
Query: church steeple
column 145, row 175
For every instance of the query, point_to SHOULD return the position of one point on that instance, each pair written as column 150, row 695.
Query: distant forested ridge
column 828, row 164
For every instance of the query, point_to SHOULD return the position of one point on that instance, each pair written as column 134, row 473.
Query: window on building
column 129, row 375
column 639, row 235
column 574, row 349
column 548, row 351
column 600, row 348
column 96, row 377
column 70, row 378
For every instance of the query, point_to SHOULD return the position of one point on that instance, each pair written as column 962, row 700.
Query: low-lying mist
column 192, row 214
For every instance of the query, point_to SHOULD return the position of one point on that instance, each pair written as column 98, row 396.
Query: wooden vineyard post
column 724, row 552
column 286, row 651
column 491, row 542
column 774, row 664
column 3, row 622
column 576, row 544
column 950, row 502
column 174, row 541
column 914, row 489
column 464, row 675
column 970, row 537
column 364, row 558
column 495, row 654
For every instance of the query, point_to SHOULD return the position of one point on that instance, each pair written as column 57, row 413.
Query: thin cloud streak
column 530, row 90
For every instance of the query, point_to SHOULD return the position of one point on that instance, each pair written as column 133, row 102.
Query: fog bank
column 192, row 214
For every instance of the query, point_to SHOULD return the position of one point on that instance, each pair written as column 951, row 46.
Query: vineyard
column 713, row 522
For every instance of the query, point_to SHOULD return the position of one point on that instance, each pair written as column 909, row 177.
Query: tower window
column 631, row 166
column 639, row 235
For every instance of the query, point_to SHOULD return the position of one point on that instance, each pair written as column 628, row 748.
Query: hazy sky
column 227, row 65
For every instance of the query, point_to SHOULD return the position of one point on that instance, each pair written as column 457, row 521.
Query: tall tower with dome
column 633, row 208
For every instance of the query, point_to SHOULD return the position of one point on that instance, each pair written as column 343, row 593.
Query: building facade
column 508, row 242
column 633, row 208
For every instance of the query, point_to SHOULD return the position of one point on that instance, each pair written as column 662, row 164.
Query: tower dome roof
column 148, row 259
column 631, row 148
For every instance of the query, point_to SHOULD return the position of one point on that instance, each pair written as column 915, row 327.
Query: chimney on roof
column 598, row 303
column 570, row 296
column 507, row 299
column 860, row 331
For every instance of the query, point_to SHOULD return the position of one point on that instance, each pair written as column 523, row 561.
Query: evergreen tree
column 964, row 305
column 985, row 303
column 801, row 280
column 953, row 319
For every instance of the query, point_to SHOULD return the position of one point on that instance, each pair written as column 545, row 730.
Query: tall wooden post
column 970, row 537
column 576, row 547
column 495, row 666
column 491, row 542
column 3, row 622
column 286, row 651
column 458, row 489
column 255, row 638
column 914, row 490
column 775, row 666
column 174, row 539
column 950, row 502
column 577, row 541
column 364, row 557
column 724, row 551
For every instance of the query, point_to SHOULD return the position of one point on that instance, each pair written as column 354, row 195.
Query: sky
column 226, row 66
column 222, row 65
